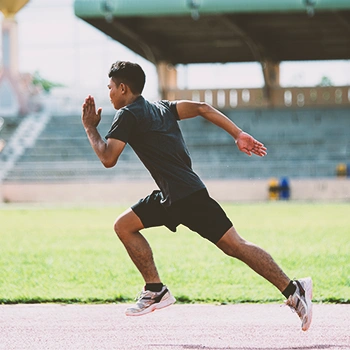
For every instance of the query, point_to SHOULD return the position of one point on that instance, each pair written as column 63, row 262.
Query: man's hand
column 247, row 144
column 89, row 117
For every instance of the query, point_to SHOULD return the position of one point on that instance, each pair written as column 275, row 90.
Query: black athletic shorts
column 199, row 212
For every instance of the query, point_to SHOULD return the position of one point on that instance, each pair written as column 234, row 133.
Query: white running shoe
column 300, row 301
column 149, row 301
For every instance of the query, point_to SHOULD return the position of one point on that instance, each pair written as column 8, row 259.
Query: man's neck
column 131, row 99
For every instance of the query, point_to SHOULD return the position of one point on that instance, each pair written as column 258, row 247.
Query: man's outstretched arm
column 245, row 142
column 109, row 152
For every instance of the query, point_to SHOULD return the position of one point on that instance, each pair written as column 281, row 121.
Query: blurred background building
column 280, row 70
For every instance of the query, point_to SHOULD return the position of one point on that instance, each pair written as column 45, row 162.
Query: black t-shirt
column 152, row 130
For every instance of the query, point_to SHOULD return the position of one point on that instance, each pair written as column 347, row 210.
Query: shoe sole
column 157, row 306
column 308, row 299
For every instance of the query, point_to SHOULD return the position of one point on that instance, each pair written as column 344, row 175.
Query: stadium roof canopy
column 203, row 31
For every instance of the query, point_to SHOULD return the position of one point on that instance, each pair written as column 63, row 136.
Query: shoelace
column 142, row 295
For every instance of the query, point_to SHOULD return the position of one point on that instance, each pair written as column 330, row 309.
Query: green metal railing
column 124, row 8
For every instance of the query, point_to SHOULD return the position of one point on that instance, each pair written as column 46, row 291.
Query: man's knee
column 231, row 243
column 119, row 226
column 126, row 224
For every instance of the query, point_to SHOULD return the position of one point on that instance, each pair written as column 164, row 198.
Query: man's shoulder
column 169, row 106
column 166, row 103
column 121, row 113
column 159, row 104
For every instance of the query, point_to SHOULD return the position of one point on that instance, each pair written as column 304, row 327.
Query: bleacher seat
column 301, row 143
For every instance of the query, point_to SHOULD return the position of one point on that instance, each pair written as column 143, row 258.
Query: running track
column 212, row 327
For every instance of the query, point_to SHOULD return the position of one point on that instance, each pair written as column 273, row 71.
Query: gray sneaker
column 300, row 301
column 149, row 301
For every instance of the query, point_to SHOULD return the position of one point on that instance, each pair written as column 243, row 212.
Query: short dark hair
column 130, row 74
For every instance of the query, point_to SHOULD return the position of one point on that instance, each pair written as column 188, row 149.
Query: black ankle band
column 290, row 290
column 154, row 287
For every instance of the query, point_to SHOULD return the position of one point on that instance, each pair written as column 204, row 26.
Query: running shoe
column 149, row 301
column 300, row 301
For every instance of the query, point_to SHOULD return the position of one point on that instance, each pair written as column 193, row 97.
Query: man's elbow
column 204, row 108
column 109, row 163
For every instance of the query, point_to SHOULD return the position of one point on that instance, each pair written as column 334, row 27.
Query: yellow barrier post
column 274, row 189
column 341, row 170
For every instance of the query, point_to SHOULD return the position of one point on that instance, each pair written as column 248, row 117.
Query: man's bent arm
column 245, row 142
column 190, row 109
column 109, row 152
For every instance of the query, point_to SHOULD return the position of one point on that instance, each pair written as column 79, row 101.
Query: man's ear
column 123, row 88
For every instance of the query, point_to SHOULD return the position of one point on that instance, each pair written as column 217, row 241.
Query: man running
column 152, row 130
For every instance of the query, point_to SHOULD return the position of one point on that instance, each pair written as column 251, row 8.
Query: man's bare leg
column 255, row 257
column 127, row 227
column 298, row 293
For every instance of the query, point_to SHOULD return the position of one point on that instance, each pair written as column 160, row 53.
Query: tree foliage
column 45, row 84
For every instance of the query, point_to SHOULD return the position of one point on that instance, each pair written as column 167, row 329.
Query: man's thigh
column 202, row 214
column 152, row 213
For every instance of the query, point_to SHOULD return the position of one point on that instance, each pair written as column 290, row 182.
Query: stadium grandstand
column 306, row 129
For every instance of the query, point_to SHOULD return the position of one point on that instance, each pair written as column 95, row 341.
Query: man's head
column 126, row 83
column 130, row 74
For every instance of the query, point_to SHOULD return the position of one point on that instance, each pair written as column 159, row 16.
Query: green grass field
column 72, row 255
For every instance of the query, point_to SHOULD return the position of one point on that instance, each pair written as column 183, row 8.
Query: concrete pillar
column 10, row 46
column 272, row 74
column 11, row 100
column 9, row 34
column 167, row 80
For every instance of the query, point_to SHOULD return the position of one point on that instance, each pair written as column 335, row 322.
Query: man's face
column 115, row 94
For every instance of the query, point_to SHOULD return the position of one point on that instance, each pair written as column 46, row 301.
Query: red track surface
column 237, row 327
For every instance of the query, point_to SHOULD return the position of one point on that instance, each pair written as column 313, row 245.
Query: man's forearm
column 96, row 142
column 216, row 117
